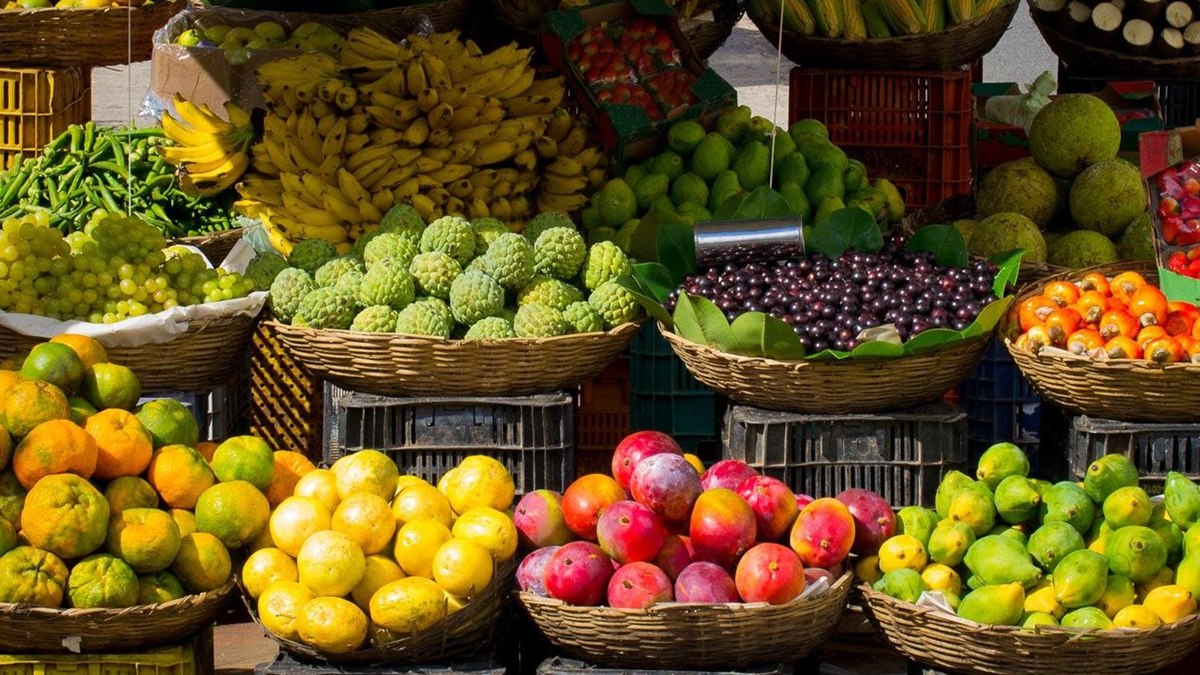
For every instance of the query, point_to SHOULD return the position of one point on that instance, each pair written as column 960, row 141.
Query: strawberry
column 1193, row 269
column 1177, row 263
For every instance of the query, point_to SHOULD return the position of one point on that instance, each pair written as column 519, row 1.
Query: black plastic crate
column 561, row 666
column 1001, row 406
column 286, row 664
column 663, row 396
column 899, row 455
column 220, row 412
column 534, row 436
column 1178, row 99
column 1154, row 449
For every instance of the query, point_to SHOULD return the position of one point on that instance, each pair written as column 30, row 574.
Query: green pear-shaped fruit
column 1041, row 485
column 1086, row 617
column 1067, row 502
column 1119, row 593
column 903, row 584
column 1172, row 537
column 974, row 505
column 950, row 542
column 1136, row 552
column 1182, row 498
column 1080, row 579
column 1000, row 560
column 951, row 483
column 1017, row 499
column 1016, row 533
column 1052, row 542
column 1129, row 505
column 1107, row 474
column 995, row 605
column 917, row 522
column 1191, row 540
column 1001, row 461
column 1187, row 574
column 1034, row 619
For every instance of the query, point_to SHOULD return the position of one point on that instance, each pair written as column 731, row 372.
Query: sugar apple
column 360, row 244
column 509, row 260
column 403, row 218
column 544, row 221
column 328, row 274
column 486, row 231
column 451, row 235
column 490, row 328
column 288, row 289
column 387, row 283
column 426, row 316
column 434, row 272
column 539, row 321
column 327, row 308
column 474, row 296
column 476, row 265
column 310, row 254
column 544, row 290
column 558, row 252
column 615, row 304
column 583, row 317
column 605, row 262
column 376, row 319
column 349, row 282
column 263, row 269
column 390, row 245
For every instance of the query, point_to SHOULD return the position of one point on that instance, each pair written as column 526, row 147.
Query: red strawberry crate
column 913, row 128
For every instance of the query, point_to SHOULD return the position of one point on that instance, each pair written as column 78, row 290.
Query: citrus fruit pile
column 105, row 503
column 1019, row 551
column 357, row 544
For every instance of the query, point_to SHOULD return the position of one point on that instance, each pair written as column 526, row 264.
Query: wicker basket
column 462, row 635
column 1125, row 389
column 58, row 38
column 945, row 641
column 858, row 385
column 443, row 15
column 215, row 246
column 944, row 50
column 707, row 36
column 204, row 357
column 405, row 365
column 666, row 636
column 1085, row 59
column 25, row 629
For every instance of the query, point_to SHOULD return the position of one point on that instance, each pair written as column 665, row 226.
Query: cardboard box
column 1135, row 104
column 1161, row 150
column 627, row 129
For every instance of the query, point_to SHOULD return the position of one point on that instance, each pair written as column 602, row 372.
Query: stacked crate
column 665, row 397
column 38, row 104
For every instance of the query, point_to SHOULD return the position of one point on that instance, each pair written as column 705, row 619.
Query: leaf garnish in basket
column 676, row 245
column 943, row 242
column 844, row 230
column 987, row 320
column 929, row 339
column 762, row 202
column 647, row 283
column 1010, row 267
column 699, row 320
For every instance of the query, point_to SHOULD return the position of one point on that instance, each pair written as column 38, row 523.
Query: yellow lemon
column 939, row 577
column 902, row 551
column 421, row 501
column 417, row 543
column 462, row 568
column 1136, row 616
column 332, row 625
column 489, row 528
column 330, row 563
column 280, row 604
column 409, row 605
column 367, row 519
column 266, row 566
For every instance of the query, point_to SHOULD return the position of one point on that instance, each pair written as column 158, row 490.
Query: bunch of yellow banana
column 209, row 151
column 431, row 122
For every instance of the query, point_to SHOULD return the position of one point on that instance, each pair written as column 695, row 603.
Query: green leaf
column 934, row 337
column 643, row 245
column 699, row 320
column 779, row 341
column 747, row 331
column 989, row 318
column 728, row 208
column 676, row 245
column 829, row 355
column 646, row 296
column 763, row 202
column 1010, row 267
column 877, row 349
column 944, row 242
column 846, row 229
column 655, row 278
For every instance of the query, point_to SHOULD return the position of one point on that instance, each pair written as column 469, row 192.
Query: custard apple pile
column 455, row 279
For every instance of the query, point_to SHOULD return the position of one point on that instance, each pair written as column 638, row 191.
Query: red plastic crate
column 602, row 416
column 913, row 128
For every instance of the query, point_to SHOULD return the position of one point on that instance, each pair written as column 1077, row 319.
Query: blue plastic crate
column 664, row 396
column 1001, row 406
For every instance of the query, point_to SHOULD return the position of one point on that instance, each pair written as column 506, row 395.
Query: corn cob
column 933, row 14
column 877, row 27
column 961, row 11
column 828, row 16
column 797, row 17
column 854, row 27
column 985, row 7
column 904, row 16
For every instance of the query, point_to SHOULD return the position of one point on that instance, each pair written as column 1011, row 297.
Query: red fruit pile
column 1179, row 204
column 1186, row 263
column 659, row 531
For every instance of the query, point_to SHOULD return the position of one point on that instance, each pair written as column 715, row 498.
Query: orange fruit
column 185, row 520
column 695, row 461
column 416, row 544
column 479, row 481
column 169, row 422
column 55, row 363
column 28, row 403
column 491, row 529
column 7, row 379
column 366, row 471
column 12, row 498
column 295, row 520
column 110, row 385
column 5, row 448
column 207, row 449
column 66, row 515
column 409, row 605
column 31, row 576
column 57, row 446
column 330, row 563
column 289, row 468
column 279, row 606
column 367, row 519
column 102, row 580
column 462, row 568
column 147, row 539
column 421, row 501
column 89, row 351
column 381, row 570
column 123, row 444
column 203, row 563
column 404, row 482
column 266, row 566
column 81, row 409
column 15, row 361
column 263, row 540
column 245, row 458
column 235, row 512
column 130, row 492
column 332, row 625
column 180, row 475
column 320, row 485
column 158, row 588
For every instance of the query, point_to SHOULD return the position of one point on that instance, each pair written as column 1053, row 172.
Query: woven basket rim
column 897, row 40
column 231, row 233
column 1053, row 35
column 94, row 10
column 52, row 613
column 420, row 340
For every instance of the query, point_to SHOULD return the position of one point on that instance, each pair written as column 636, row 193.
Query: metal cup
column 722, row 242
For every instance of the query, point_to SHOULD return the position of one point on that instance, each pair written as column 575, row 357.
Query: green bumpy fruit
column 288, row 290
column 1082, row 248
column 395, row 245
column 605, row 262
column 615, row 304
column 583, row 317
column 434, row 272
column 491, row 328
column 349, row 282
column 487, row 230
column 310, row 254
column 403, row 218
column 331, row 272
column 539, row 321
column 426, row 316
column 545, row 221
column 326, row 308
column 558, row 252
column 360, row 244
column 451, row 235
column 544, row 290
column 509, row 260
column 474, row 296
column 263, row 269
column 387, row 283
column 375, row 319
